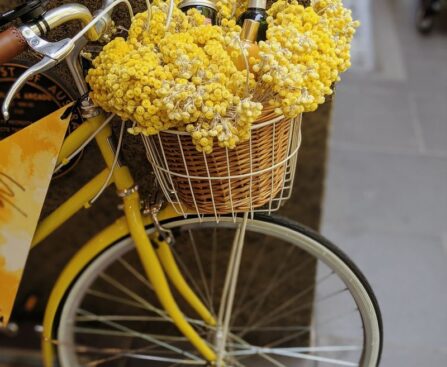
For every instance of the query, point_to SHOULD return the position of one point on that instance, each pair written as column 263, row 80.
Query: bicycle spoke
column 161, row 359
column 298, row 353
column 140, row 335
column 301, row 333
column 121, row 318
column 228, row 276
column 270, row 328
column 136, row 273
column 166, row 318
column 265, row 294
column 188, row 274
column 271, row 285
column 115, row 354
column 118, row 354
column 213, row 265
column 201, row 271
column 121, row 300
column 96, row 331
column 271, row 360
column 329, row 349
column 264, row 356
column 269, row 317
column 254, row 271
column 284, row 352
column 262, row 298
column 298, row 296
column 286, row 277
column 301, row 356
column 134, row 296
column 304, row 306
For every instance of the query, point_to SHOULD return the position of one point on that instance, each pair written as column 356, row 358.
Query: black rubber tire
column 333, row 248
column 280, row 221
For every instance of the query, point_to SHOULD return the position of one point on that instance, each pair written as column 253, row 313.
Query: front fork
column 157, row 263
column 155, row 266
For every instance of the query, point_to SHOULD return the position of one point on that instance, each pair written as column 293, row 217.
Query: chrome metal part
column 108, row 16
column 53, row 53
column 89, row 109
column 55, row 50
column 127, row 192
column 156, row 197
column 164, row 234
column 152, row 207
column 74, row 65
column 101, row 13
column 45, row 64
column 106, row 3
column 65, row 13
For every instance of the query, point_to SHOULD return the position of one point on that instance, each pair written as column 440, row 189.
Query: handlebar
column 65, row 13
column 12, row 44
column 14, row 41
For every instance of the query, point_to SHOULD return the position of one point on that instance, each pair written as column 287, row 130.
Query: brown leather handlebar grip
column 12, row 44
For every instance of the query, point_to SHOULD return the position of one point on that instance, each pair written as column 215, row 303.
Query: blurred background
column 386, row 191
column 385, row 202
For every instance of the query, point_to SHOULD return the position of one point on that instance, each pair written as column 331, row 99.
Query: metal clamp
column 163, row 233
column 152, row 207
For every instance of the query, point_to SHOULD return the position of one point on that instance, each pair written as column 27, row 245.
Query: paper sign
column 27, row 162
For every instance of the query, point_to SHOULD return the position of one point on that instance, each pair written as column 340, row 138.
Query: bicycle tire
column 264, row 220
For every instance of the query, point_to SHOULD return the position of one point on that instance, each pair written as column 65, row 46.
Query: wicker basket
column 256, row 174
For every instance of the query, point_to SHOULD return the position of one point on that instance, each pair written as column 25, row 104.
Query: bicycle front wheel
column 299, row 301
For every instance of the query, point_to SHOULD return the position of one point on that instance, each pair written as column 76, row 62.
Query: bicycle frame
column 158, row 261
column 158, row 264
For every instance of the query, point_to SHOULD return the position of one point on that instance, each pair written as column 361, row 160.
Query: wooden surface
column 48, row 259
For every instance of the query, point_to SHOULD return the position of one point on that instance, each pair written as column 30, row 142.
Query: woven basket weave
column 229, row 180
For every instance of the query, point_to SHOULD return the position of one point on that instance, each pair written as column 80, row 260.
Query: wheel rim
column 260, row 349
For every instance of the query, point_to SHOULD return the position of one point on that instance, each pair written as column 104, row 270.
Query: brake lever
column 45, row 64
column 53, row 53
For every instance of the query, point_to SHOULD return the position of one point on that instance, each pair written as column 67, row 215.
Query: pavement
column 386, row 194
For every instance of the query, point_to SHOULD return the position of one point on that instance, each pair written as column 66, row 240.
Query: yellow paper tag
column 27, row 162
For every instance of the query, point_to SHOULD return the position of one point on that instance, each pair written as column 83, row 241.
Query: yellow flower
column 184, row 77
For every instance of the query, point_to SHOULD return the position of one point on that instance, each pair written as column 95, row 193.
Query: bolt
column 34, row 42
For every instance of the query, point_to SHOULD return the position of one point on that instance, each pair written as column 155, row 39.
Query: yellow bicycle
column 166, row 285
